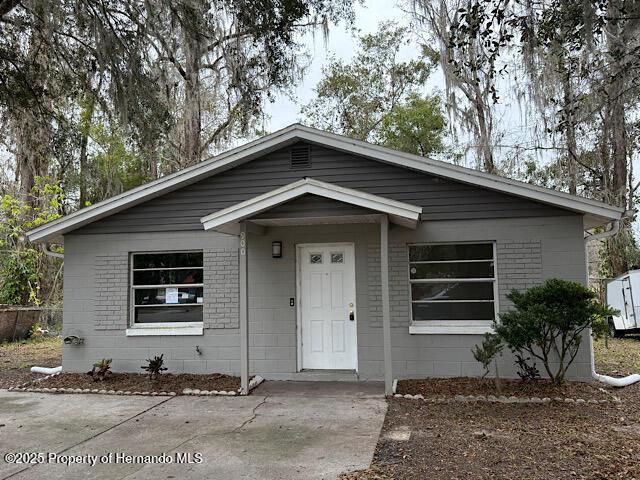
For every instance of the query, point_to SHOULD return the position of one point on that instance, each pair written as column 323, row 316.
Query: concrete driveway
column 282, row 431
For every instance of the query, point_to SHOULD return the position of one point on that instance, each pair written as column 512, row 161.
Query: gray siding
column 313, row 206
column 441, row 199
column 530, row 250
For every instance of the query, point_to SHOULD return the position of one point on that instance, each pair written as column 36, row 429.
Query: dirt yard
column 16, row 359
column 513, row 441
column 621, row 358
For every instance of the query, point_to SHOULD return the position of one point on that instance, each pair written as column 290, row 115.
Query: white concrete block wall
column 539, row 248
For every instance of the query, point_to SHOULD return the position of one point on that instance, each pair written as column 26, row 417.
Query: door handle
column 351, row 316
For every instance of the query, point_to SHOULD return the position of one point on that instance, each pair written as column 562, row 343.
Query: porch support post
column 386, row 314
column 244, row 310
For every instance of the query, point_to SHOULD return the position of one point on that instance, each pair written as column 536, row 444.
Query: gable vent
column 300, row 156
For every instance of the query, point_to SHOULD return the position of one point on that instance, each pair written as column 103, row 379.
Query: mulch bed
column 137, row 382
column 450, row 387
column 478, row 440
column 17, row 377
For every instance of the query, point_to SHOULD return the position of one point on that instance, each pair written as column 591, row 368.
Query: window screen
column 167, row 287
column 452, row 281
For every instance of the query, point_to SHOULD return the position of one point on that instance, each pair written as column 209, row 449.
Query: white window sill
column 168, row 329
column 465, row 327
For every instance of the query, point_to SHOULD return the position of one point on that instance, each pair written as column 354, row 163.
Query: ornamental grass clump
column 548, row 323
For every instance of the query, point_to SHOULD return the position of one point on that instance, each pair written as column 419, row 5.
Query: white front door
column 327, row 306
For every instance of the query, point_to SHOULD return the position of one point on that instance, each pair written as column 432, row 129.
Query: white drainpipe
column 46, row 371
column 616, row 382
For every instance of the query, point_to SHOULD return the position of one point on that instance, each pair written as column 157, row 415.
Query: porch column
column 244, row 310
column 386, row 315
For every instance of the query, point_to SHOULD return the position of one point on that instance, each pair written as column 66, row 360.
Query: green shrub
column 486, row 352
column 548, row 323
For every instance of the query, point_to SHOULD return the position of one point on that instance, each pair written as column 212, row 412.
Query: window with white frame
column 166, row 287
column 452, row 282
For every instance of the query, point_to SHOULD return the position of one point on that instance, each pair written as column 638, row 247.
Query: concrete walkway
column 283, row 430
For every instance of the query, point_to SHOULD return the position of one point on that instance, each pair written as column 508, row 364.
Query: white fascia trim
column 299, row 132
column 310, row 186
column 462, row 327
column 167, row 329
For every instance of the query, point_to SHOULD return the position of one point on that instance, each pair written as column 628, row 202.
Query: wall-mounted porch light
column 276, row 249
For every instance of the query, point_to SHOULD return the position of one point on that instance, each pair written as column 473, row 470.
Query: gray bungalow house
column 308, row 255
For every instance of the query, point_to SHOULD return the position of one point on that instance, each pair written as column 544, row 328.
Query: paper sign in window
column 171, row 295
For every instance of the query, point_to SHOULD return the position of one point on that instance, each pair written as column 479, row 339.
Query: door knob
column 351, row 315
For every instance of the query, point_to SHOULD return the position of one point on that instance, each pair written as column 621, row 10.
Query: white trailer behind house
column 623, row 294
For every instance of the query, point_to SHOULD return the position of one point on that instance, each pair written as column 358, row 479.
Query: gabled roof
column 399, row 212
column 596, row 213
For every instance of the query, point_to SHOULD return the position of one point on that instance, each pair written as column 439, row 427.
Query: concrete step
column 325, row 376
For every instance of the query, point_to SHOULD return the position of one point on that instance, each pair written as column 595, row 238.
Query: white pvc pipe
column 613, row 381
column 617, row 382
column 46, row 371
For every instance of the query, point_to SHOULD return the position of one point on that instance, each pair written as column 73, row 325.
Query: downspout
column 613, row 381
column 46, row 370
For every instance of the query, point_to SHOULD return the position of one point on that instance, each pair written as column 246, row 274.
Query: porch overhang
column 228, row 220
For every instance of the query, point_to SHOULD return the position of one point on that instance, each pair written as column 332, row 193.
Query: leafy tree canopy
column 376, row 98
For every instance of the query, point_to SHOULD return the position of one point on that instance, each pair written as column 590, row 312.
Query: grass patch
column 17, row 358
column 621, row 358
column 27, row 353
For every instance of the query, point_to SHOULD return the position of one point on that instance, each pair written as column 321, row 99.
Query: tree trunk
column 615, row 121
column 32, row 126
column 483, row 116
column 616, row 103
column 85, row 127
column 191, row 140
column 33, row 137
column 484, row 134
column 570, row 131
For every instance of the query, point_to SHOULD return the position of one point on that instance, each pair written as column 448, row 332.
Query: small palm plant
column 155, row 366
column 101, row 369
